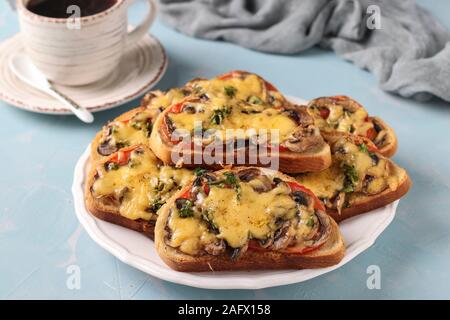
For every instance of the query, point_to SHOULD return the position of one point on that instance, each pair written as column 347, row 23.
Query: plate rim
column 89, row 223
column 98, row 107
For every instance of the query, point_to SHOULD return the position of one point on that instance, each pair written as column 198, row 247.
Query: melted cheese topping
column 140, row 183
column 233, row 118
column 328, row 183
column 251, row 215
column 162, row 101
column 325, row 184
column 132, row 132
column 247, row 87
column 341, row 120
column 189, row 234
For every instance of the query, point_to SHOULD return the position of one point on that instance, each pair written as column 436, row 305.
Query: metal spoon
column 25, row 70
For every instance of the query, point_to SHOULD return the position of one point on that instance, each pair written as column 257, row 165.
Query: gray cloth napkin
column 409, row 54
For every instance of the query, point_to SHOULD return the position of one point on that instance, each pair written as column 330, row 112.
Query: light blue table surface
column 40, row 234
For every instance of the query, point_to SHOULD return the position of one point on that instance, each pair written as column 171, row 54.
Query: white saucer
column 142, row 66
column 137, row 250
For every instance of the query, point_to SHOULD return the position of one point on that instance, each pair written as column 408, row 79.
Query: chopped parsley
column 254, row 100
column 133, row 163
column 113, row 166
column 229, row 181
column 230, row 91
column 372, row 155
column 199, row 172
column 351, row 178
column 185, row 210
column 156, row 205
column 207, row 216
column 310, row 222
column 363, row 148
column 219, row 115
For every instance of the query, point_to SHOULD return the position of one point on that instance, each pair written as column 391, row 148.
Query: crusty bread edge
column 373, row 202
column 111, row 214
column 329, row 254
column 390, row 149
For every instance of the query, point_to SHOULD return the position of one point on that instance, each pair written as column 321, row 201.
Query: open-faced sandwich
column 227, row 121
column 130, row 186
column 134, row 126
column 246, row 219
column 359, row 180
column 343, row 114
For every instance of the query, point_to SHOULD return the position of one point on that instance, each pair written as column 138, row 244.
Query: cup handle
column 137, row 33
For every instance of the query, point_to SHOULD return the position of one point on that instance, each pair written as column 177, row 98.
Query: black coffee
column 58, row 8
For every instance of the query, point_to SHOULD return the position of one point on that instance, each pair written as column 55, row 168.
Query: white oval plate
column 139, row 251
column 141, row 67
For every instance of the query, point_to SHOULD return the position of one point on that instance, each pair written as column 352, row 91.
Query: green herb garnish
column 156, row 205
column 219, row 115
column 310, row 222
column 229, row 181
column 136, row 125
column 363, row 148
column 230, row 91
column 351, row 178
column 113, row 166
column 186, row 210
column 254, row 100
column 199, row 172
column 211, row 225
column 133, row 163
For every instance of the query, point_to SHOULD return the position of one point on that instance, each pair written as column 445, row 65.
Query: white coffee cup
column 80, row 50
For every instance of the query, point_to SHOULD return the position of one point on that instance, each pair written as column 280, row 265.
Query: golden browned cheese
column 248, row 88
column 141, row 182
column 132, row 132
column 161, row 100
column 233, row 118
column 330, row 182
column 341, row 120
column 239, row 217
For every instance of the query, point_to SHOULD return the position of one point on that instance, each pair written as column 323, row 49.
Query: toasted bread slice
column 128, row 188
column 359, row 180
column 343, row 114
column 301, row 148
column 253, row 88
column 212, row 232
column 130, row 128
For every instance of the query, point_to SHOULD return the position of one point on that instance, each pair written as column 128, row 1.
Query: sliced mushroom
column 339, row 201
column 216, row 248
column 302, row 117
column 239, row 252
column 261, row 184
column 246, row 175
column 266, row 243
column 323, row 231
column 106, row 148
column 283, row 236
column 303, row 139
column 302, row 198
